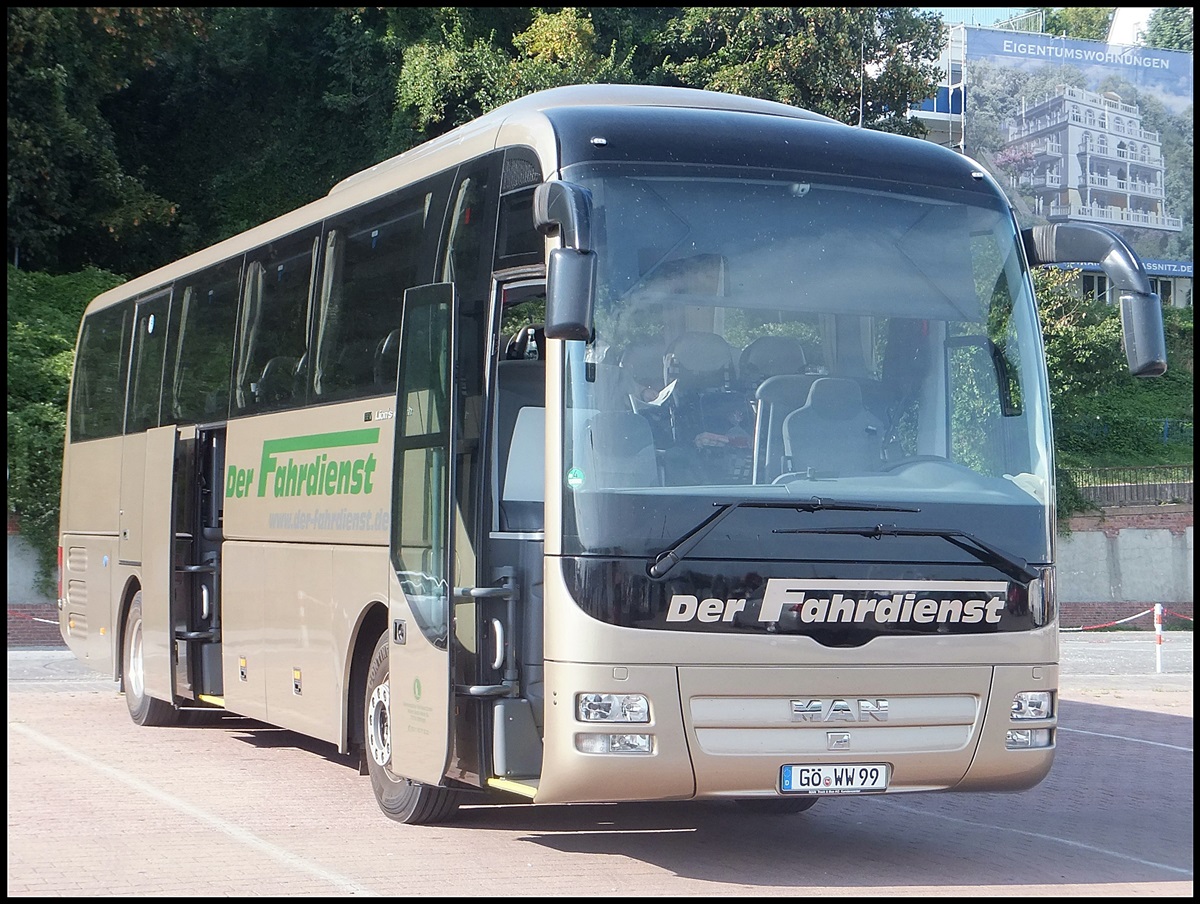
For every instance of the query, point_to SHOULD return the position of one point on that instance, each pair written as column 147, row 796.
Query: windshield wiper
column 674, row 554
column 1013, row 566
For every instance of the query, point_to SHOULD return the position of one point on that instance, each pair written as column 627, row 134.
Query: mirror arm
column 1087, row 243
column 566, row 207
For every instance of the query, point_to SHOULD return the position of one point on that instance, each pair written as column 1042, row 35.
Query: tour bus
column 625, row 444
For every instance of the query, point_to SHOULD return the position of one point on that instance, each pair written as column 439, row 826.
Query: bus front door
column 155, row 534
column 422, row 539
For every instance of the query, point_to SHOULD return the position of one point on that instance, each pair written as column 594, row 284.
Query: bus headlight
column 1026, row 738
column 613, row 743
column 612, row 708
column 1031, row 705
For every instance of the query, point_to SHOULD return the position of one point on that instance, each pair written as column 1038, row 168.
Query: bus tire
column 143, row 709
column 776, row 806
column 400, row 798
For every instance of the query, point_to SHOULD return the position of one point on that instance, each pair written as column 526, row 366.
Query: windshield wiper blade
column 1013, row 566
column 674, row 554
column 817, row 504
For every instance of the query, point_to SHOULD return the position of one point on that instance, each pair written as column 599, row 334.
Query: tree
column 1089, row 23
column 43, row 318
column 1170, row 28
column 461, row 75
column 70, row 200
column 1101, row 412
column 264, row 114
column 860, row 65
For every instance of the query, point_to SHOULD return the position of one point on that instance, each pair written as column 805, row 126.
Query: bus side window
column 149, row 355
column 273, row 325
column 204, row 315
column 98, row 403
column 371, row 256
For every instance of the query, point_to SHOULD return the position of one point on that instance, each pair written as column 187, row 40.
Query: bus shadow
column 263, row 736
column 1116, row 807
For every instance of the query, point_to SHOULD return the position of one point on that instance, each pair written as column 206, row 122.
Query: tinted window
column 371, row 256
column 471, row 234
column 273, row 326
column 205, row 313
column 98, row 396
column 149, row 351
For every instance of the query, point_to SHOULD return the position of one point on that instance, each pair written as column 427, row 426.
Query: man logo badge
column 840, row 710
column 837, row 740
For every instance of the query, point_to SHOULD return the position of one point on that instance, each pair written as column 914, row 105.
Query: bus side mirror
column 1142, row 331
column 570, row 288
column 571, row 275
column 1141, row 309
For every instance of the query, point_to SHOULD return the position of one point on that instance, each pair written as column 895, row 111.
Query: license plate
column 826, row 778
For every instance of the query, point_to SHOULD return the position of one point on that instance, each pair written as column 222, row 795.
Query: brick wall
column 1176, row 520
column 33, row 625
column 1090, row 615
column 32, row 618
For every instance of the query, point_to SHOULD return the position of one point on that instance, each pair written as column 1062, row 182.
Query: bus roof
column 588, row 96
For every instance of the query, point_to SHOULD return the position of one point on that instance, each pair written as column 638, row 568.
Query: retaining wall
column 1121, row 561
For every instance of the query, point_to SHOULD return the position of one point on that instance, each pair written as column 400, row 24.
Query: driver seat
column 833, row 433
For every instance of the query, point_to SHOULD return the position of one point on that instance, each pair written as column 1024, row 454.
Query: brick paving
column 99, row 806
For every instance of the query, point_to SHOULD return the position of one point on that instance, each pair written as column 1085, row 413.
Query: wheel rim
column 379, row 731
column 135, row 678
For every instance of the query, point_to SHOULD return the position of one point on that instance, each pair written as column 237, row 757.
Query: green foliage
column 860, row 65
column 1102, row 415
column 71, row 201
column 1090, row 23
column 442, row 79
column 1083, row 342
column 43, row 320
column 457, row 76
column 262, row 112
column 1171, row 28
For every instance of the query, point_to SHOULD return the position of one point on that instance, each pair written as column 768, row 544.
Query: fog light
column 1026, row 738
column 613, row 743
column 1031, row 705
column 612, row 708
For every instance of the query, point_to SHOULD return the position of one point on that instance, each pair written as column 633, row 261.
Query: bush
column 1103, row 416
column 43, row 320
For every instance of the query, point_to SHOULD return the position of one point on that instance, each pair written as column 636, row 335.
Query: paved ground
column 99, row 806
column 1122, row 668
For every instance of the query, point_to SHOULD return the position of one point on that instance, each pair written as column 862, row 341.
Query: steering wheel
column 912, row 460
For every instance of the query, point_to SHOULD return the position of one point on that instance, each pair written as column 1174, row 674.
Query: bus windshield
column 766, row 335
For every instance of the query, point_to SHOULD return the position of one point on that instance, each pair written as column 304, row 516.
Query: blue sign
column 1086, row 132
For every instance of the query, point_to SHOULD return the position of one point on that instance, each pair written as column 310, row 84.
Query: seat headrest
column 643, row 362
column 833, row 397
column 769, row 356
column 701, row 353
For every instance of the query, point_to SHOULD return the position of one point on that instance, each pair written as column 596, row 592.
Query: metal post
column 1158, row 637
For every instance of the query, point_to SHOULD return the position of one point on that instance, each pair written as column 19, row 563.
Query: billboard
column 1081, row 131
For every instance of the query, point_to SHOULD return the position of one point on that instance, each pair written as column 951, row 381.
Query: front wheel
column 143, row 709
column 400, row 798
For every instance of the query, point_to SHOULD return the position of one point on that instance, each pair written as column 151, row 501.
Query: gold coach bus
column 627, row 443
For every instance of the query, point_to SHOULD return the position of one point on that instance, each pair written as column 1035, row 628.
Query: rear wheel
column 143, row 709
column 400, row 798
column 776, row 806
